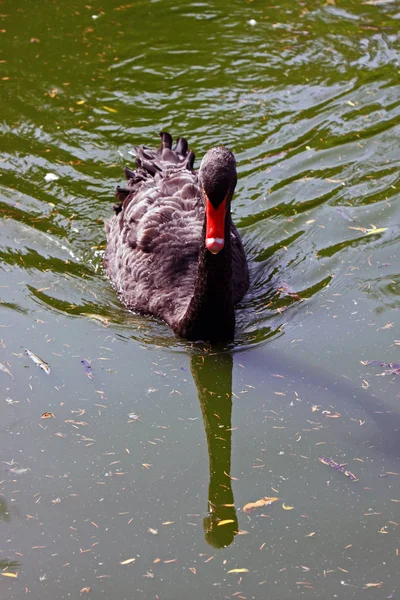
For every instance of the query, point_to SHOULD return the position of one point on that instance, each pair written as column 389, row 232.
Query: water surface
column 153, row 453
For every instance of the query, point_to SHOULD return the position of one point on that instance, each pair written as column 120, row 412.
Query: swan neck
column 210, row 314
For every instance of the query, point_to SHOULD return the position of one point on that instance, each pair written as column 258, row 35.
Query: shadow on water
column 212, row 375
column 316, row 385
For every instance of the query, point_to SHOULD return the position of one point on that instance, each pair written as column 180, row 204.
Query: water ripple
column 306, row 96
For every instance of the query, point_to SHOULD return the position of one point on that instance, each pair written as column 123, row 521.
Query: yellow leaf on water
column 128, row 561
column 369, row 231
column 10, row 575
column 225, row 522
column 238, row 571
column 81, row 101
column 376, row 230
column 285, row 507
column 111, row 110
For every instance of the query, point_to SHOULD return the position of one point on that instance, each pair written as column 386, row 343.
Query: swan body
column 172, row 249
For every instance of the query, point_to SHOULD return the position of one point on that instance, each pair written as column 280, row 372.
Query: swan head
column 218, row 179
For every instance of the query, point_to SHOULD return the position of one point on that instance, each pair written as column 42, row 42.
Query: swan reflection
column 212, row 375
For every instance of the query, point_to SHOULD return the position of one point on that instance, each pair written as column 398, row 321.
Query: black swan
column 172, row 249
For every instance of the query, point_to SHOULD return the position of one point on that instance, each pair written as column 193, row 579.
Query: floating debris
column 377, row 584
column 330, row 415
column 343, row 214
column 259, row 503
column 51, row 177
column 6, row 370
column 109, row 109
column 372, row 231
column 128, row 561
column 238, row 571
column 11, row 401
column 87, row 367
column 94, row 317
column 341, row 468
column 391, row 368
column 38, row 361
column 286, row 290
column 133, row 417
column 18, row 470
column 48, row 415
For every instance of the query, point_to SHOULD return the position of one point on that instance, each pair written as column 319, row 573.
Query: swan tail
column 166, row 140
column 180, row 156
column 181, row 146
column 129, row 174
column 150, row 162
column 190, row 160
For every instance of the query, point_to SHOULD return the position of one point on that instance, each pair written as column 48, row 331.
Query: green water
column 155, row 456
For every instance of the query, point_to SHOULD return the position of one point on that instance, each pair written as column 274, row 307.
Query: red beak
column 215, row 226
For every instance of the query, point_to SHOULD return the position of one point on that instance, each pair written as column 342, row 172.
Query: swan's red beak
column 215, row 226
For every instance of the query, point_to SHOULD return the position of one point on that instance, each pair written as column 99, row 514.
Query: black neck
column 210, row 315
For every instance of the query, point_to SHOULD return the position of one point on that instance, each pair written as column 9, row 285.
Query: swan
column 172, row 249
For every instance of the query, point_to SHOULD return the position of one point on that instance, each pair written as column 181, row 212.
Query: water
column 168, row 439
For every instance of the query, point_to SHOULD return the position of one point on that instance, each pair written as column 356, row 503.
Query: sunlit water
column 135, row 486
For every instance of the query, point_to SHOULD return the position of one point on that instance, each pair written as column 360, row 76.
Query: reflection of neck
column 213, row 378
column 210, row 314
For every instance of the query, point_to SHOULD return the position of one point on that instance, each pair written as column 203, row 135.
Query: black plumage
column 156, row 257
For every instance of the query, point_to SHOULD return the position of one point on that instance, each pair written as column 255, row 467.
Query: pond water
column 135, row 486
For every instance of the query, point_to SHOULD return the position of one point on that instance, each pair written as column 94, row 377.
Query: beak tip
column 215, row 245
